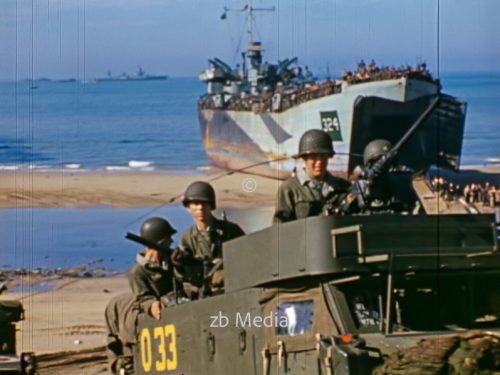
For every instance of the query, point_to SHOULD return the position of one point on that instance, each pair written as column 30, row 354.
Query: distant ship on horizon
column 141, row 75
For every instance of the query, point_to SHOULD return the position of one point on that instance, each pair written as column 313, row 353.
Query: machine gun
column 371, row 172
column 361, row 192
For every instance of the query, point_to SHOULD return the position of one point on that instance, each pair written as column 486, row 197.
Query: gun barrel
column 421, row 119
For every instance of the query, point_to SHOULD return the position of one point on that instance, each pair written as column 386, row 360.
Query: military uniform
column 391, row 192
column 388, row 190
column 300, row 197
column 197, row 245
column 149, row 282
column 209, row 243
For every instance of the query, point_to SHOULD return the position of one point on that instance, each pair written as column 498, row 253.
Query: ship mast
column 248, row 9
column 252, row 61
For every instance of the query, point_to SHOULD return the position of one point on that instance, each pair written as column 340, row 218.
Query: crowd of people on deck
column 283, row 97
column 373, row 72
column 474, row 193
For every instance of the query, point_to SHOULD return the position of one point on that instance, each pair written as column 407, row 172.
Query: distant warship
column 140, row 76
column 252, row 117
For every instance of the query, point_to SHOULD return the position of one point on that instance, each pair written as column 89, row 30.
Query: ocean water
column 153, row 125
column 120, row 126
column 141, row 126
column 60, row 237
column 481, row 144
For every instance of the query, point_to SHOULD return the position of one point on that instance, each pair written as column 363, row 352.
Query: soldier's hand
column 155, row 310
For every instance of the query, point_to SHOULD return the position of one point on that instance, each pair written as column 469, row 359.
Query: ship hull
column 253, row 141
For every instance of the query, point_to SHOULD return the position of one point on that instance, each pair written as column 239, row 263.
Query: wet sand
column 238, row 190
column 37, row 189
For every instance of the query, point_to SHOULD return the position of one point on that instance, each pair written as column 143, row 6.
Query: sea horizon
column 152, row 126
column 134, row 127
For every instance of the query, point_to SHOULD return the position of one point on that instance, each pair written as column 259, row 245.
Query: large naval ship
column 252, row 117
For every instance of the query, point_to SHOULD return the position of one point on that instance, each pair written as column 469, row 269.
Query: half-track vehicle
column 12, row 312
column 337, row 295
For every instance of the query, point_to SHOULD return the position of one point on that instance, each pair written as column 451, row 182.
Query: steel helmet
column 199, row 191
column 154, row 232
column 315, row 141
column 376, row 149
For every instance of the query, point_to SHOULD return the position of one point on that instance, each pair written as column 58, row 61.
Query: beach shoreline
column 127, row 190
column 152, row 189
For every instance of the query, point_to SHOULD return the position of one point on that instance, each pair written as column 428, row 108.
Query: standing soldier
column 389, row 190
column 150, row 279
column 312, row 188
column 198, row 261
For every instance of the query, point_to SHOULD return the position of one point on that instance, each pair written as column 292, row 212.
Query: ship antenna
column 248, row 9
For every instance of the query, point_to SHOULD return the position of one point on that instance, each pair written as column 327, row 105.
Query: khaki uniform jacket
column 298, row 199
column 149, row 282
column 201, row 244
column 198, row 245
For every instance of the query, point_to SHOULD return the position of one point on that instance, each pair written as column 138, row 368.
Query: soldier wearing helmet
column 198, row 260
column 151, row 276
column 312, row 188
column 150, row 279
column 387, row 191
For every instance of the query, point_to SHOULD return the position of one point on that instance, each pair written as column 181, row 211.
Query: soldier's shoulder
column 290, row 183
column 188, row 232
column 134, row 271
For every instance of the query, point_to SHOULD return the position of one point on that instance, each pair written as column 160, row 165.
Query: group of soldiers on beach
column 194, row 269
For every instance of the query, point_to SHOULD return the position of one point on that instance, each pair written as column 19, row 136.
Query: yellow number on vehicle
column 160, row 364
column 146, row 358
column 172, row 350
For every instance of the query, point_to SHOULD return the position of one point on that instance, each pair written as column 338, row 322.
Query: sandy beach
column 61, row 324
column 67, row 189
column 237, row 190
column 62, row 319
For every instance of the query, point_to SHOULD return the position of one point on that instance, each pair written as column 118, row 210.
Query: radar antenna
column 248, row 9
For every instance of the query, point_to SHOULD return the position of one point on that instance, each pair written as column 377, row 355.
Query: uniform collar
column 304, row 180
column 210, row 228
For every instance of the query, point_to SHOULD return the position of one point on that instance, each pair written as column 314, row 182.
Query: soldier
column 389, row 190
column 312, row 188
column 198, row 260
column 150, row 279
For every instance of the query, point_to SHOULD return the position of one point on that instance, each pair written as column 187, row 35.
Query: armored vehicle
column 334, row 295
column 340, row 294
column 25, row 364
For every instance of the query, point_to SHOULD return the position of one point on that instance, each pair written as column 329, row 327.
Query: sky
column 85, row 39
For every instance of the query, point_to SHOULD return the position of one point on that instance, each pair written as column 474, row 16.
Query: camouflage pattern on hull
column 236, row 139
